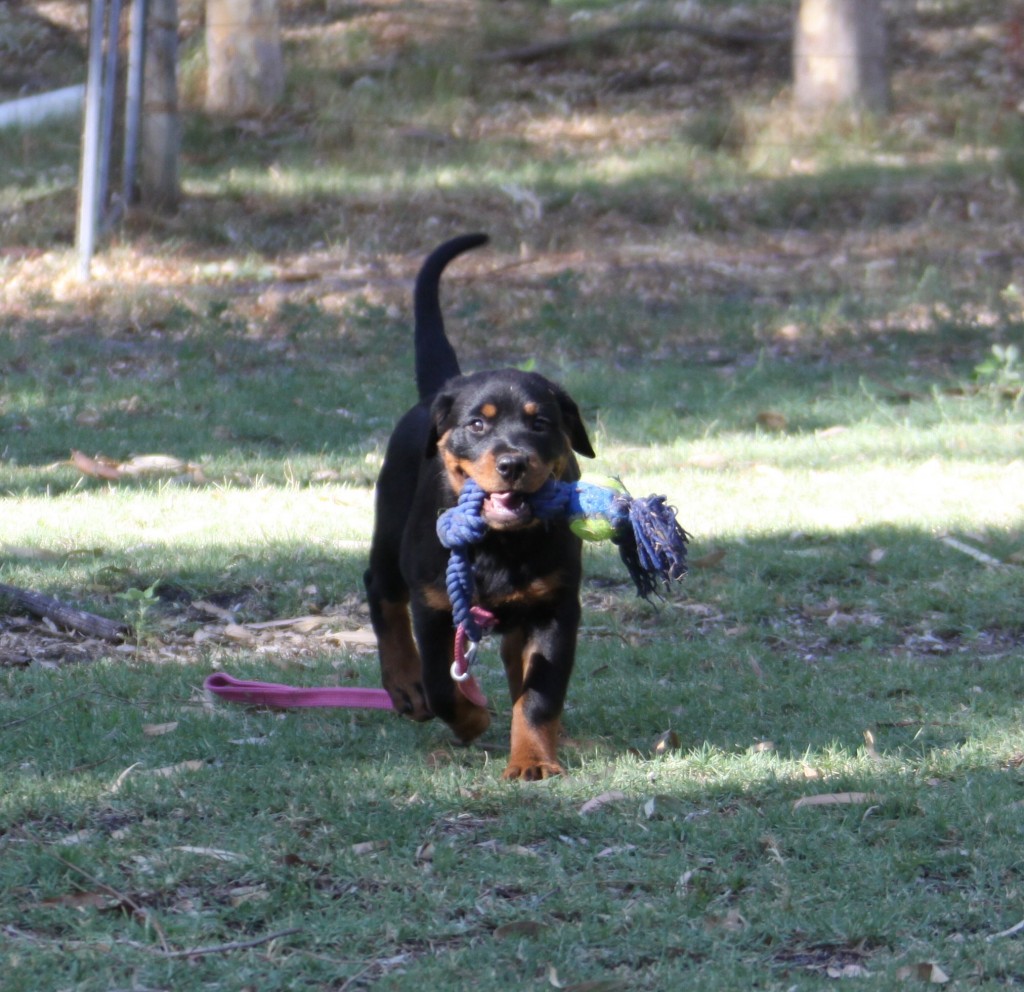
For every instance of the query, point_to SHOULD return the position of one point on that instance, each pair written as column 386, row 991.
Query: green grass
column 835, row 611
column 805, row 341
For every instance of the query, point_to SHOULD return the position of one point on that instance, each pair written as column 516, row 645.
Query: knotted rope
column 651, row 543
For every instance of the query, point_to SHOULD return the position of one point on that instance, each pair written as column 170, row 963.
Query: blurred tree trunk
column 840, row 56
column 244, row 62
column 159, row 183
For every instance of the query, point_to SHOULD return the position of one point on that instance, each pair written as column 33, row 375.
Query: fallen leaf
column 238, row 633
column 102, row 467
column 610, row 852
column 368, row 847
column 816, row 610
column 599, row 802
column 425, row 853
column 665, row 808
column 836, row 799
column 771, row 420
column 248, row 893
column 520, row 928
column 217, row 853
column 666, row 742
column 302, row 624
column 712, row 559
column 78, row 837
column 183, row 766
column 84, row 900
column 97, row 468
column 847, row 971
column 155, row 465
column 923, row 971
column 213, row 610
column 159, row 729
column 353, row 638
column 731, row 921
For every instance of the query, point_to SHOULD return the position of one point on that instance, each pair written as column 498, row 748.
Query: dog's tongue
column 506, row 508
column 508, row 502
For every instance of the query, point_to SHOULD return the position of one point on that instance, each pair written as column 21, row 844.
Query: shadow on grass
column 805, row 643
column 318, row 394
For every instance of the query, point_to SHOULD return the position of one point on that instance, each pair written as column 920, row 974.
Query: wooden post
column 840, row 57
column 160, row 185
column 245, row 67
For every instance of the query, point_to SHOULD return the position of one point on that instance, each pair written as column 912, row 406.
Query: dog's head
column 509, row 432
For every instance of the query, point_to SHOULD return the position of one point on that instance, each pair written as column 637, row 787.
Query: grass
column 810, row 343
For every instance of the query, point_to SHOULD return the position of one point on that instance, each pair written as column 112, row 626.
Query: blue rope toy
column 651, row 542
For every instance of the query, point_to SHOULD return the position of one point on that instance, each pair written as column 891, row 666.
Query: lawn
column 803, row 767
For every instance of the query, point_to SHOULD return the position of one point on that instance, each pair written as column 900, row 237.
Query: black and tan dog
column 509, row 431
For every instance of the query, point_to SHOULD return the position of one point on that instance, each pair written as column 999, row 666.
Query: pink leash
column 290, row 697
column 281, row 697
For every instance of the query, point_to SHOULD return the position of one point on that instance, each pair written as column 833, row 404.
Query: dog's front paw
column 408, row 699
column 532, row 771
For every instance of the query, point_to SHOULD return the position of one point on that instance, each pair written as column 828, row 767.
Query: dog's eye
column 477, row 425
column 541, row 425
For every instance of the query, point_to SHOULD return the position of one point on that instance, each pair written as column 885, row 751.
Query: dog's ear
column 573, row 421
column 440, row 421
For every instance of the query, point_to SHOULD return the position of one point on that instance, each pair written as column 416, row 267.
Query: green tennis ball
column 592, row 529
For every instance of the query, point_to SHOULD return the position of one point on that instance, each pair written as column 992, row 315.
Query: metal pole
column 107, row 109
column 133, row 99
column 88, row 205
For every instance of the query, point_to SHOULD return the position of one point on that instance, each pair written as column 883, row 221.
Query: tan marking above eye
column 489, row 410
column 531, row 409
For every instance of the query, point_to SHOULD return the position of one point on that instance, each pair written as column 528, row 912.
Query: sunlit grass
column 789, row 336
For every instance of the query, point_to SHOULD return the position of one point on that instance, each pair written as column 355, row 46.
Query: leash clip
column 470, row 657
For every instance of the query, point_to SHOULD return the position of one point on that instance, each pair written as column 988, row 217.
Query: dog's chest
column 525, row 568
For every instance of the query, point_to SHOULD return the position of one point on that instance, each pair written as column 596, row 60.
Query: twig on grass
column 63, row 701
column 238, row 945
column 1016, row 928
column 60, row 613
column 144, row 914
column 972, row 552
column 235, row 945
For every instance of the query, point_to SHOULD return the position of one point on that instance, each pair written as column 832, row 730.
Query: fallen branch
column 41, row 605
column 725, row 37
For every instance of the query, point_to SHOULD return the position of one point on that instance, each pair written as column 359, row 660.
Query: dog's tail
column 435, row 357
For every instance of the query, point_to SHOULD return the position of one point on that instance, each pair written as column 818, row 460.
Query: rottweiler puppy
column 509, row 431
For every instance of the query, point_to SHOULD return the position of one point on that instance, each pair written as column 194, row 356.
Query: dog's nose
column 511, row 466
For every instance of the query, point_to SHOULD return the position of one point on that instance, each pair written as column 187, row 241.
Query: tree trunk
column 245, row 67
column 160, row 186
column 840, row 57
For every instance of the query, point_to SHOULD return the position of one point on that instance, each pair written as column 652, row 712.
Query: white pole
column 88, row 204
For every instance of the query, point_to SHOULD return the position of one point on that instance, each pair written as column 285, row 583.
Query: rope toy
column 650, row 540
